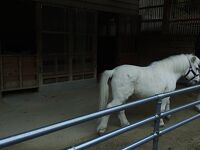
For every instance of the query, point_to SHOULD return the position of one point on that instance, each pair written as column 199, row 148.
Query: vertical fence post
column 157, row 124
column 167, row 7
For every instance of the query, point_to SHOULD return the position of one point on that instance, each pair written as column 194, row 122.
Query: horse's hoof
column 101, row 131
column 125, row 124
column 197, row 108
column 161, row 125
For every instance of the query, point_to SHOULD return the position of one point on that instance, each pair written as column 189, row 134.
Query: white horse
column 160, row 76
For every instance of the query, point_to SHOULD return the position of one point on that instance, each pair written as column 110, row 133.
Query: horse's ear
column 193, row 59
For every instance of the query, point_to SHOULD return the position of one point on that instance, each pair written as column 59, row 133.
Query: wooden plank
column 166, row 16
column 59, row 69
column 55, row 76
column 54, row 32
column 20, row 71
column 185, row 20
column 1, row 73
column 114, row 3
column 78, row 76
column 15, row 89
column 29, row 71
column 152, row 20
column 71, row 43
column 94, row 46
column 39, row 43
column 10, row 72
column 132, row 2
column 89, row 75
column 1, row 83
column 150, row 7
column 109, row 7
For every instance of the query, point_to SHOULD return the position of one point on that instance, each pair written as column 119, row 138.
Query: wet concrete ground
column 24, row 111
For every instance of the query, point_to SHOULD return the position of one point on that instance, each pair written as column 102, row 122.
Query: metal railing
column 8, row 141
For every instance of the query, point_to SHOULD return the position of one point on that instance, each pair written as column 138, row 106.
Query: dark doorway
column 107, row 39
column 19, row 63
column 18, row 27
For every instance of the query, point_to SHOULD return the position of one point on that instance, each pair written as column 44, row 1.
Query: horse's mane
column 175, row 62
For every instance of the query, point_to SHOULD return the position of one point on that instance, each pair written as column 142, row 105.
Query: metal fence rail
column 137, row 124
column 5, row 142
column 162, row 132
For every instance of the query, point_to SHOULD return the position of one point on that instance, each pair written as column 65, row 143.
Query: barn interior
column 44, row 42
column 55, row 50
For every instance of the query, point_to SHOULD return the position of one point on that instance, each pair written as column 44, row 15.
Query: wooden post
column 1, row 74
column 71, row 41
column 166, row 16
column 39, row 42
column 95, row 44
column 20, row 57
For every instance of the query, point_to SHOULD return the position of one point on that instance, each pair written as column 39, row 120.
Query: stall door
column 107, row 41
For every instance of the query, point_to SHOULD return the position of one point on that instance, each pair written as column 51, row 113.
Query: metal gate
column 8, row 141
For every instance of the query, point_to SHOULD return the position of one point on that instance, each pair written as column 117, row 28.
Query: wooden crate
column 29, row 71
column 18, row 72
column 10, row 72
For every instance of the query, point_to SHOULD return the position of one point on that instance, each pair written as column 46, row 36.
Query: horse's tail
column 104, row 88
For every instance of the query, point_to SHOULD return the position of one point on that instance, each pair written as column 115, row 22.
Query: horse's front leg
column 122, row 117
column 104, row 120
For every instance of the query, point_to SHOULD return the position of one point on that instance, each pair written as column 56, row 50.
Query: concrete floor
column 24, row 111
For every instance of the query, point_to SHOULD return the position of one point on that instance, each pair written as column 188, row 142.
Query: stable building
column 49, row 41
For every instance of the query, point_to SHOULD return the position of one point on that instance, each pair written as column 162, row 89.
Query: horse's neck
column 177, row 65
column 180, row 65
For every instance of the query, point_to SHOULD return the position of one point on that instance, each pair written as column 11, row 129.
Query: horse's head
column 192, row 73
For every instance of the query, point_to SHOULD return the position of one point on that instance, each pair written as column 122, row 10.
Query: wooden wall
column 152, row 47
column 115, row 6
column 168, row 27
column 67, row 47
column 57, row 55
column 18, row 72
column 18, row 59
column 68, row 43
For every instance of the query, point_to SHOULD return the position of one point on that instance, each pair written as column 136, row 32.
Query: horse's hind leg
column 167, row 108
column 163, row 109
column 104, row 120
column 123, row 119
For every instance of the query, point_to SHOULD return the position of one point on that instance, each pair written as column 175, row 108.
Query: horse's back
column 142, row 81
column 128, row 69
